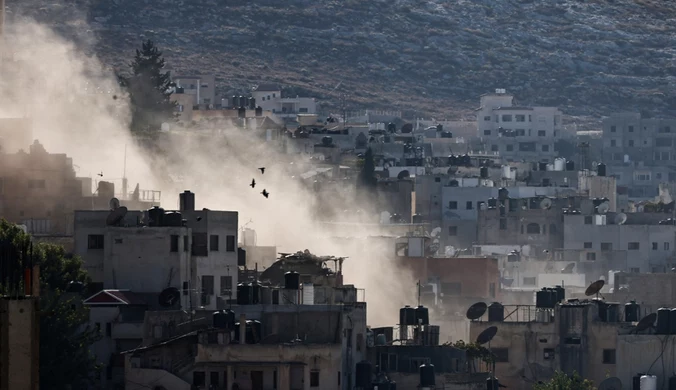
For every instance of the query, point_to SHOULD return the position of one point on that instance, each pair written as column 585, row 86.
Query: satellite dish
column 587, row 206
column 646, row 322
column 114, row 204
column 476, row 311
column 546, row 204
column 612, row 383
column 487, row 335
column 169, row 297
column 602, row 209
column 403, row 174
column 483, row 206
column 620, row 218
column 116, row 216
column 568, row 269
column 435, row 232
column 594, row 288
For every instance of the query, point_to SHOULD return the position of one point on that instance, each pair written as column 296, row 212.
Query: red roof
column 115, row 297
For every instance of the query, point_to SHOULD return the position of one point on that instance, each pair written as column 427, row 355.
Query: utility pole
column 343, row 108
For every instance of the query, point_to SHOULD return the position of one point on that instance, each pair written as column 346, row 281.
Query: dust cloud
column 76, row 107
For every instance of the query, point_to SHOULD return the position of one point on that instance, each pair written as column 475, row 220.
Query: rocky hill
column 590, row 57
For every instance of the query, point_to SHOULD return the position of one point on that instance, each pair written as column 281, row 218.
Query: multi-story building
column 269, row 98
column 629, row 138
column 516, row 132
column 201, row 88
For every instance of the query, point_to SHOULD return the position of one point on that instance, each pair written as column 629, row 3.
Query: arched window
column 533, row 228
column 552, row 229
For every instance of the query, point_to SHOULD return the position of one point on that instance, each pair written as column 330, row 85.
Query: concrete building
column 269, row 98
column 629, row 138
column 202, row 89
column 518, row 133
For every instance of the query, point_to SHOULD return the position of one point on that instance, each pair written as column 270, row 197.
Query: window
column 453, row 231
column 520, row 118
column 487, row 132
column 503, row 223
column 453, row 205
column 533, row 228
column 199, row 244
column 213, row 242
column 487, row 118
column 654, row 246
column 95, row 241
column 612, row 129
column 527, row 147
column 613, row 142
column 213, row 375
column 494, row 148
column 314, row 378
column 634, row 270
column 542, row 133
column 174, row 243
column 545, row 148
column 588, row 220
column 338, row 378
column 591, row 256
column 208, row 284
column 226, row 285
column 631, row 129
column 606, row 246
column 572, row 340
column 501, row 355
column 633, row 246
column 230, row 243
column 530, row 118
column 509, row 147
column 631, row 142
column 608, row 356
column 506, row 118
column 468, row 205
column 529, row 281
column 666, row 246
column 274, row 379
column 437, row 180
column 199, row 378
column 302, row 110
column 109, row 329
column 588, row 245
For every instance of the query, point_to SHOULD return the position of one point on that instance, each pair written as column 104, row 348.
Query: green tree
column 149, row 89
column 562, row 381
column 65, row 335
column 367, row 176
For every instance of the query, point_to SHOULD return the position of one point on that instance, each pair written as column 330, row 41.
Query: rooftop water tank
column 496, row 312
column 672, row 321
column 292, row 280
column 186, row 200
column 220, row 320
column 662, row 321
column 422, row 316
column 155, row 216
column 648, row 382
column 632, row 311
column 244, row 294
column 427, row 378
column 483, row 172
column 601, row 169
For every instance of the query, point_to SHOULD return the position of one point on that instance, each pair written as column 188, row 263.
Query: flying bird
column 253, row 183
column 199, row 219
column 262, row 170
column 265, row 193
column 100, row 174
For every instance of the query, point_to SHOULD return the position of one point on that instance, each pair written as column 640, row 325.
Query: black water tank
column 452, row 160
column 672, row 321
column 241, row 112
column 613, row 312
column 496, row 312
column 601, row 169
column 483, row 172
column 542, row 166
column 427, row 378
column 440, row 127
column 407, row 316
column 243, row 294
column 172, row 219
column 230, row 318
column 636, row 381
column 492, row 384
column 662, row 321
column 492, row 202
column 252, row 103
column 602, row 309
column 255, row 293
column 256, row 331
column 363, row 374
column 560, row 293
column 391, row 127
column 546, row 182
column 242, row 101
column 422, row 315
column 292, row 280
column 672, row 383
column 155, row 216
column 220, row 320
column 259, row 111
column 503, row 194
column 234, row 101
column 543, row 299
column 570, row 165
column 466, row 160
column 417, row 218
column 186, row 201
column 632, row 311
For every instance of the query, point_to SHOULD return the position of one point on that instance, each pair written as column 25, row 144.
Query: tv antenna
column 595, row 288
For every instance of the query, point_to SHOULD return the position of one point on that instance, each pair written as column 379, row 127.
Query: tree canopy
column 65, row 335
column 563, row 381
column 149, row 90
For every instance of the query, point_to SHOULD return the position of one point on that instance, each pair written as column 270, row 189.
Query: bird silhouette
column 262, row 170
column 265, row 193
column 100, row 174
column 199, row 219
column 253, row 183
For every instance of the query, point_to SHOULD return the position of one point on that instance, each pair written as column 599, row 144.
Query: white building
column 201, row 88
column 269, row 98
column 518, row 133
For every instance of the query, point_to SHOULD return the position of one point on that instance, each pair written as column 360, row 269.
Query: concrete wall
column 645, row 353
column 515, row 228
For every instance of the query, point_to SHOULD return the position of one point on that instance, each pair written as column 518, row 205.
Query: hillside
column 590, row 57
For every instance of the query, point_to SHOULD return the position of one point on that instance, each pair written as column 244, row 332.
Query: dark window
column 208, row 284
column 588, row 245
column 591, row 256
column 612, row 129
column 503, row 223
column 437, row 180
column 527, row 147
column 95, row 241
column 339, row 371
column 226, row 285
column 588, row 220
column 214, row 378
column 533, row 228
column 509, row 147
column 109, row 329
column 542, row 133
column 494, row 148
column 199, row 244
column 468, row 206
column 631, row 129
column 520, row 118
column 487, row 118
column 572, row 340
column 199, row 378
column 230, row 244
column 452, row 230
column 314, row 378
column 487, row 132
column 633, row 246
column 453, row 205
column 213, row 242
column 545, row 148
column 506, row 118
column 174, row 243
column 613, row 143
column 606, row 246
column 631, row 142
column 501, row 355
column 529, row 281
column 654, row 246
column 608, row 356
column 491, row 290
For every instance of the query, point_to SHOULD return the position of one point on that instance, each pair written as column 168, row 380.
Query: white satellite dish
column 483, row 206
column 620, row 218
column 546, row 204
column 114, row 204
column 435, row 232
column 603, row 208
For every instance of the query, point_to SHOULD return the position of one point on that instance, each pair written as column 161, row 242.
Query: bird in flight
column 253, row 183
column 265, row 193
column 101, row 174
column 262, row 170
